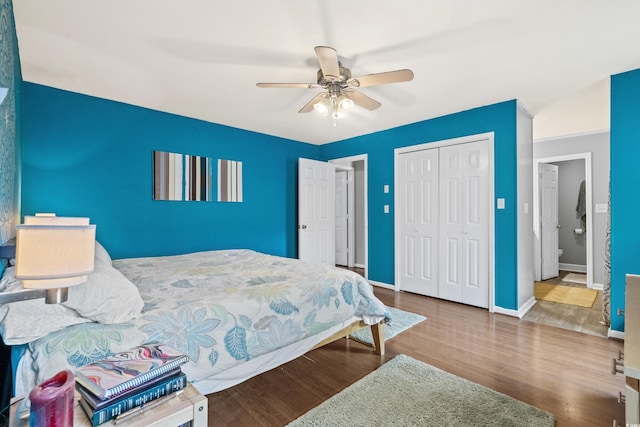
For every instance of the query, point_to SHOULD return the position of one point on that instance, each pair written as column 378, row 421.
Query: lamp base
column 56, row 295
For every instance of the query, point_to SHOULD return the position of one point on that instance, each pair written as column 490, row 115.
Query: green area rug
column 407, row 392
column 400, row 322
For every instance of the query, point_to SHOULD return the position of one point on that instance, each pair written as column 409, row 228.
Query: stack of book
column 125, row 383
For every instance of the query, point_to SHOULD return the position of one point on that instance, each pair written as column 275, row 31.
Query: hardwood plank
column 565, row 372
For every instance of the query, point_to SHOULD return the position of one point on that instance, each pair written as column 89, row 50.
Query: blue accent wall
column 379, row 147
column 85, row 156
column 625, row 187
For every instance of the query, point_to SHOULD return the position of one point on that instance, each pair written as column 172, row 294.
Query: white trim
column 576, row 268
column 489, row 136
column 598, row 286
column 536, row 210
column 505, row 311
column 526, row 307
column 349, row 160
column 615, row 334
column 381, row 284
column 520, row 313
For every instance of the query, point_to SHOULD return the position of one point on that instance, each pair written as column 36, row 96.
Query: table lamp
column 53, row 253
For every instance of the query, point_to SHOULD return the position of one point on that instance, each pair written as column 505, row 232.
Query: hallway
column 572, row 317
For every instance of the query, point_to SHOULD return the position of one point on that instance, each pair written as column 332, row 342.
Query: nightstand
column 187, row 407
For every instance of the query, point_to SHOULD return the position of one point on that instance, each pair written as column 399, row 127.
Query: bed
column 235, row 313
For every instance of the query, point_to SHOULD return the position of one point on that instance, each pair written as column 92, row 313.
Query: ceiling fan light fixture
column 322, row 106
column 345, row 103
column 340, row 96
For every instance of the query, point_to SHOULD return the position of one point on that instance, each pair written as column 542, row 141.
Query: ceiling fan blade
column 286, row 85
column 381, row 78
column 309, row 105
column 328, row 58
column 362, row 100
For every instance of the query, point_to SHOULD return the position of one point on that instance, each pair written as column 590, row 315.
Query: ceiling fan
column 340, row 94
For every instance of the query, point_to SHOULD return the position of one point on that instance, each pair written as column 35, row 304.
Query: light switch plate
column 602, row 208
column 500, row 203
column 386, row 208
column 386, row 188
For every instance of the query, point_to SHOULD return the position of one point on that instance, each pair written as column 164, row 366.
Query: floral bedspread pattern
column 221, row 308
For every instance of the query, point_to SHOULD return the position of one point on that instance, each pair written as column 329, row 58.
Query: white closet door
column 464, row 223
column 418, row 223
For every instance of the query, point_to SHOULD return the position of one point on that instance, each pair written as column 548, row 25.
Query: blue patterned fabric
column 222, row 308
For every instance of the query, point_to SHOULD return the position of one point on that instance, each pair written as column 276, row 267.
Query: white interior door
column 417, row 192
column 549, row 220
column 342, row 218
column 316, row 211
column 464, row 223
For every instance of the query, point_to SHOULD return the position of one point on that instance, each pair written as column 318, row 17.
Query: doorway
column 573, row 235
column 353, row 233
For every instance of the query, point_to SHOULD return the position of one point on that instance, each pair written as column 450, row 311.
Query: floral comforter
column 221, row 308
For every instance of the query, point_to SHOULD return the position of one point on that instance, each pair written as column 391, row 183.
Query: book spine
column 119, row 407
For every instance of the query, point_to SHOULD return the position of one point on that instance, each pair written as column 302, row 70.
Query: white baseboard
column 516, row 313
column 382, row 285
column 506, row 311
column 598, row 286
column 576, row 268
column 359, row 265
column 615, row 334
column 526, row 307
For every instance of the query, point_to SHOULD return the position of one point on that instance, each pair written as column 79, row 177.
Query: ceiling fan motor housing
column 345, row 75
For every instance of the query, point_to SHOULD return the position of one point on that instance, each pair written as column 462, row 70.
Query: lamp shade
column 54, row 252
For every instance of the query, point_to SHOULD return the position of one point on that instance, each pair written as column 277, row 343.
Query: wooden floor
column 564, row 372
column 581, row 319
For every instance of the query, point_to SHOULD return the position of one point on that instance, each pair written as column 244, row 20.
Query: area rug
column 401, row 321
column 572, row 295
column 407, row 392
column 575, row 278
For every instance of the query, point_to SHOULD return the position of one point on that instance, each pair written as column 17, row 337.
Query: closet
column 443, row 203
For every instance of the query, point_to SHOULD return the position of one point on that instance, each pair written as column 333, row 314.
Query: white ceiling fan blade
column 288, row 85
column 362, row 100
column 328, row 58
column 309, row 105
column 381, row 78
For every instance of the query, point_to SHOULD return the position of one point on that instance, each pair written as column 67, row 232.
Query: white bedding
column 236, row 313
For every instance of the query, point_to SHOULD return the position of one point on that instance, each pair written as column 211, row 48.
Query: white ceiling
column 202, row 58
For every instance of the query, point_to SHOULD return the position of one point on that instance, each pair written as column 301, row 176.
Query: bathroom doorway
column 574, row 230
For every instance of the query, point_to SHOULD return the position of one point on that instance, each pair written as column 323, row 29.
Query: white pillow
column 107, row 296
column 25, row 321
column 102, row 255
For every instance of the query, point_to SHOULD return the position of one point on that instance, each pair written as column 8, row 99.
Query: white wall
column 524, row 152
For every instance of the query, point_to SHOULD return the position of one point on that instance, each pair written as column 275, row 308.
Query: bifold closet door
column 464, row 223
column 418, row 191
